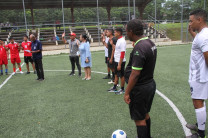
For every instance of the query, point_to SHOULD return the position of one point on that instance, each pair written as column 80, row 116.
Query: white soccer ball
column 119, row 134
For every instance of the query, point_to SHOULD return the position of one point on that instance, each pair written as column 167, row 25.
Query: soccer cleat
column 112, row 89
column 120, row 92
column 107, row 77
column 35, row 72
column 88, row 79
column 41, row 79
column 6, row 73
column 1, row 73
column 196, row 135
column 71, row 74
column 192, row 127
column 28, row 72
column 110, row 82
column 83, row 78
column 21, row 72
column 37, row 79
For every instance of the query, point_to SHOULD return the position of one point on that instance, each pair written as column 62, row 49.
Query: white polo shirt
column 106, row 50
column 120, row 47
column 198, row 69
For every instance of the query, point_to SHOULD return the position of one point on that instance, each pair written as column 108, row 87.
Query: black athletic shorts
column 141, row 100
column 119, row 73
column 106, row 60
column 28, row 59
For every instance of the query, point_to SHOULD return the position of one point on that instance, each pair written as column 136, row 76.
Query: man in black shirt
column 111, row 49
column 139, row 72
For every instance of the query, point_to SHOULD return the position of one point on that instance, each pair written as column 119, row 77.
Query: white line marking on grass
column 10, row 76
column 178, row 113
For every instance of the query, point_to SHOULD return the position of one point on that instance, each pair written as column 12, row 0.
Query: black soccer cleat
column 192, row 127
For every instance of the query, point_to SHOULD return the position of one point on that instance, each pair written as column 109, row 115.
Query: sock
column 2, row 71
column 201, row 117
column 20, row 69
column 201, row 133
column 14, row 69
column 6, row 70
column 122, row 88
column 142, row 131
column 114, row 87
column 148, row 122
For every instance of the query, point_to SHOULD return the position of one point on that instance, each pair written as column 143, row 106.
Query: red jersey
column 27, row 46
column 14, row 51
column 3, row 52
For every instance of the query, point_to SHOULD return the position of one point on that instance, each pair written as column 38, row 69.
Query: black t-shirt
column 143, row 57
column 110, row 48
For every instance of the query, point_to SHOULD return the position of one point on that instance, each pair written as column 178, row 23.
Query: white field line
column 10, row 76
column 172, row 105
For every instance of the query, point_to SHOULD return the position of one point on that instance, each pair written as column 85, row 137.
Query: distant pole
column 134, row 9
column 155, row 18
column 204, row 4
column 129, row 10
column 63, row 20
column 182, row 20
column 98, row 18
column 23, row 2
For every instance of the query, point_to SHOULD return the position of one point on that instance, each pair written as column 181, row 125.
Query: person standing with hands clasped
column 139, row 74
column 37, row 57
column 74, row 52
column 85, row 55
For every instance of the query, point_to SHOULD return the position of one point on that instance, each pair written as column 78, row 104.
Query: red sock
column 20, row 69
column 14, row 69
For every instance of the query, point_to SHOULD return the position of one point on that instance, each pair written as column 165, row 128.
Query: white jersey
column 106, row 50
column 120, row 47
column 198, row 69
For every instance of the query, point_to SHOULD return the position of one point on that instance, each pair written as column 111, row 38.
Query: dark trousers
column 39, row 68
column 73, row 61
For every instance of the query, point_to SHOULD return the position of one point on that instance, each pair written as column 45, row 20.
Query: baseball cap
column 72, row 34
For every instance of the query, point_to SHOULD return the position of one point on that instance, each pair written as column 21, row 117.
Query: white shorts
column 199, row 90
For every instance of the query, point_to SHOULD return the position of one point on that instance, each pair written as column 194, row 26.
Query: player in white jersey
column 198, row 70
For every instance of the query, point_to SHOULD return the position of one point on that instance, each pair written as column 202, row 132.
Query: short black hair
column 110, row 30
column 136, row 26
column 11, row 38
column 119, row 30
column 85, row 37
column 25, row 36
column 199, row 13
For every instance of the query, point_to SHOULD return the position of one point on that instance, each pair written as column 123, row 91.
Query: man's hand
column 191, row 31
column 111, row 61
column 77, row 42
column 127, row 98
column 63, row 35
column 119, row 67
column 103, row 39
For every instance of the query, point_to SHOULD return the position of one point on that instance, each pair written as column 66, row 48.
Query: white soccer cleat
column 21, row 72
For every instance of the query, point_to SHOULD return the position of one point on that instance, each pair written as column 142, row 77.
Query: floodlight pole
column 63, row 20
column 134, row 9
column 155, row 18
column 182, row 20
column 23, row 2
column 204, row 4
column 129, row 10
column 98, row 22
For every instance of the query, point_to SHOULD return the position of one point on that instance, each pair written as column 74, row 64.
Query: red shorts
column 15, row 60
column 4, row 61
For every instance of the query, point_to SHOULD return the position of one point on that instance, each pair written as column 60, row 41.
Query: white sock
column 201, row 116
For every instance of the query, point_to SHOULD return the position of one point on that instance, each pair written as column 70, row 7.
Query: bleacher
column 47, row 37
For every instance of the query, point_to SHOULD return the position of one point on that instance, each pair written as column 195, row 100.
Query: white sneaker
column 110, row 82
column 83, row 78
column 21, row 72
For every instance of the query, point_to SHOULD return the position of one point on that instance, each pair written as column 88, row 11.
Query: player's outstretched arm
column 63, row 38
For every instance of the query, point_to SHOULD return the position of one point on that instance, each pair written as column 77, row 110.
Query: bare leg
column 27, row 66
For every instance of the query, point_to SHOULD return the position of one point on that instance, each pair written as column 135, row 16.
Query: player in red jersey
column 14, row 54
column 3, row 57
column 26, row 46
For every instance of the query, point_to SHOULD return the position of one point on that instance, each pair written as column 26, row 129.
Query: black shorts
column 141, row 100
column 28, row 59
column 106, row 60
column 119, row 73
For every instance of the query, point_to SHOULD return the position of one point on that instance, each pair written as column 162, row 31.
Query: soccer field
column 64, row 106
